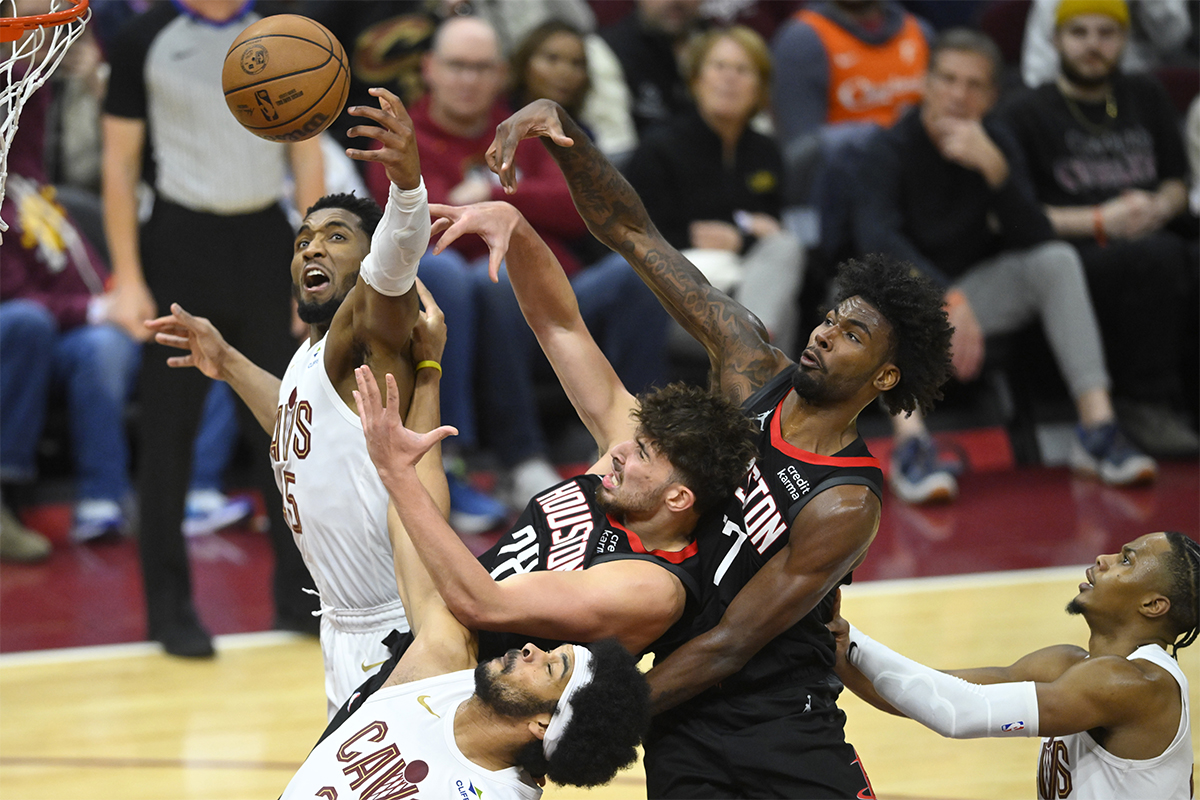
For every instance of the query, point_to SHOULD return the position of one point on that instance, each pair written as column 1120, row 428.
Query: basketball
column 286, row 78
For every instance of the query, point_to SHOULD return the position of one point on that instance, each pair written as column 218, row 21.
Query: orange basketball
column 286, row 78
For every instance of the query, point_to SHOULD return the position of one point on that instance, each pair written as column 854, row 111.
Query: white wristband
column 946, row 704
column 399, row 242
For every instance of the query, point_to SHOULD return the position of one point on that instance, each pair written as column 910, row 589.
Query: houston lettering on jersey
column 389, row 774
column 763, row 519
column 569, row 519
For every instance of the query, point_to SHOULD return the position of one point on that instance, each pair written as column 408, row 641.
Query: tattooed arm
column 736, row 341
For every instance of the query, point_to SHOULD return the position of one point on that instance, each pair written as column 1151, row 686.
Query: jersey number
column 291, row 510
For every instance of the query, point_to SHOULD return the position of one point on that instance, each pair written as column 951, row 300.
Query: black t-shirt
column 1078, row 155
column 679, row 172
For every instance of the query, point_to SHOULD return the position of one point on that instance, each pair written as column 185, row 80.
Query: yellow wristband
column 430, row 364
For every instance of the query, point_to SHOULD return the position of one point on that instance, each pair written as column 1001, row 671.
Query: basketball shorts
column 352, row 645
column 783, row 743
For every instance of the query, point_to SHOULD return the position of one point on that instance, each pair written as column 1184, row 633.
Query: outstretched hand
column 392, row 447
column 398, row 143
column 539, row 118
column 207, row 347
column 493, row 221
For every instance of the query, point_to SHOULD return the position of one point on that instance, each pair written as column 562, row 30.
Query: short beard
column 808, row 387
column 642, row 503
column 322, row 313
column 504, row 700
column 1074, row 608
column 1073, row 75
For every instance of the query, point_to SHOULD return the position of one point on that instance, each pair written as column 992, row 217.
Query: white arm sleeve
column 399, row 242
column 945, row 704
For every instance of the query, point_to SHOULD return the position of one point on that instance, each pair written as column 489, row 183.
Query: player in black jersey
column 762, row 718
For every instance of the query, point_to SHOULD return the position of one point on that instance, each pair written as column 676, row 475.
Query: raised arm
column 829, row 537
column 548, row 303
column 736, row 341
column 211, row 354
column 378, row 314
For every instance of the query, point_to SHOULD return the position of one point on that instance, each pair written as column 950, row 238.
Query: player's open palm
column 392, row 447
column 207, row 348
column 397, row 149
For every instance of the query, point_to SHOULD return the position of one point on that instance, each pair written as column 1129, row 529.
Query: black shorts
column 786, row 743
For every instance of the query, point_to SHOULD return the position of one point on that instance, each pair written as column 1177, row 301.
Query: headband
column 581, row 676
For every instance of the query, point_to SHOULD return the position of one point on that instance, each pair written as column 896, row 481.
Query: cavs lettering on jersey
column 869, row 82
column 400, row 744
column 758, row 524
column 1076, row 767
column 563, row 528
column 332, row 496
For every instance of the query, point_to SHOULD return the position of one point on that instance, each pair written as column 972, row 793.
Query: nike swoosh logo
column 421, row 699
column 368, row 667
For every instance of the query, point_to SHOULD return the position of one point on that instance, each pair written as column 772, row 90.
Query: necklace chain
column 1110, row 109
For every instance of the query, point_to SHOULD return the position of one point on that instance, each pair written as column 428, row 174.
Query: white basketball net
column 25, row 65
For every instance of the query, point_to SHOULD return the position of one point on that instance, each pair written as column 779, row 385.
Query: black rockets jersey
column 563, row 528
column 757, row 525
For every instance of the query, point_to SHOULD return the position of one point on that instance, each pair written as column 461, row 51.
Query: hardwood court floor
column 951, row 586
column 136, row 725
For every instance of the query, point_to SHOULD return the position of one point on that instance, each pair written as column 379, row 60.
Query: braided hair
column 1183, row 576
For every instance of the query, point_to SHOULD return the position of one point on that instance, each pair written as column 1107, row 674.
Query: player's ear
column 538, row 724
column 886, row 377
column 679, row 498
column 1155, row 606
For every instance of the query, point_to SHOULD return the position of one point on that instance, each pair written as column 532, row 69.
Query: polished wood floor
column 127, row 722
column 980, row 582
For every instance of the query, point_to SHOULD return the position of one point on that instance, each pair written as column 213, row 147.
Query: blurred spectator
column 56, row 334
column 1160, row 33
column 1107, row 159
column 847, row 62
column 714, row 187
column 215, row 242
column 384, row 41
column 649, row 43
column 559, row 62
column 946, row 189
column 1192, row 128
column 454, row 124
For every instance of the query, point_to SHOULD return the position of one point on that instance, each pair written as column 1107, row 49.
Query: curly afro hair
column 612, row 714
column 921, row 332
column 367, row 210
column 707, row 439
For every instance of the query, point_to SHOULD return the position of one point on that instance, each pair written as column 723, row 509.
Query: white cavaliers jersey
column 332, row 497
column 400, row 743
column 1075, row 767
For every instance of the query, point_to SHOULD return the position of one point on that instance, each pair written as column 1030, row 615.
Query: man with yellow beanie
column 1106, row 158
column 1159, row 33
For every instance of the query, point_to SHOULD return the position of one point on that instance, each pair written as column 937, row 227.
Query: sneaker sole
column 937, row 488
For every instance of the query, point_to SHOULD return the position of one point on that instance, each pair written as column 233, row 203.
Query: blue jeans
column 448, row 278
column 96, row 366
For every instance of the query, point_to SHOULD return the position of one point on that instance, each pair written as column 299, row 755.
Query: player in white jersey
column 1114, row 717
column 444, row 726
column 353, row 276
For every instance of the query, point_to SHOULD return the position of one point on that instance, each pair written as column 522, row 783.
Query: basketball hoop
column 39, row 44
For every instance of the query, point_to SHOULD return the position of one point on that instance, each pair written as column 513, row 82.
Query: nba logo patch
column 1013, row 727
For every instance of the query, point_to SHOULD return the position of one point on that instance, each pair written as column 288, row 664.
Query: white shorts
column 352, row 645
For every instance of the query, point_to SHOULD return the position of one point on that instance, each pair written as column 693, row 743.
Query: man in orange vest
column 847, row 61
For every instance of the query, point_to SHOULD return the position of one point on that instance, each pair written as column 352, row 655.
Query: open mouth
column 315, row 279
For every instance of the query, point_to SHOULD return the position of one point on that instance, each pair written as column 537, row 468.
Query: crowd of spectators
column 762, row 136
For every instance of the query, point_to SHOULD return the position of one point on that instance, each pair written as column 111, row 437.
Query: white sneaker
column 530, row 477
column 95, row 517
column 208, row 510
